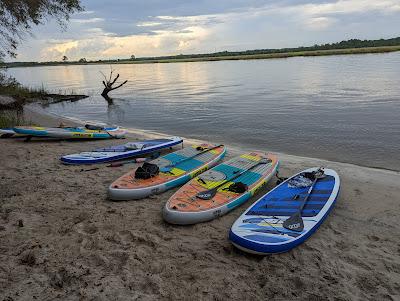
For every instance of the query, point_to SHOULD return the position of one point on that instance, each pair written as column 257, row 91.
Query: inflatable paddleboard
column 120, row 152
column 71, row 132
column 259, row 230
column 186, row 206
column 8, row 133
column 187, row 163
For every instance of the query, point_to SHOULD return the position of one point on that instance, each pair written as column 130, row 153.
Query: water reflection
column 343, row 108
column 115, row 112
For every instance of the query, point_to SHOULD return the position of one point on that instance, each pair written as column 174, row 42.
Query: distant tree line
column 349, row 44
column 353, row 43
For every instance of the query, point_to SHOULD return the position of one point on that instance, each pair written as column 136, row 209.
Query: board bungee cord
column 210, row 193
column 168, row 168
column 217, row 183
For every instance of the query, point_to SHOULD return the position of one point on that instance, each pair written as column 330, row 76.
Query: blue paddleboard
column 120, row 152
column 259, row 230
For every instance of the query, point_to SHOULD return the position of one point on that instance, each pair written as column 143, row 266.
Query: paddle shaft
column 202, row 152
column 308, row 195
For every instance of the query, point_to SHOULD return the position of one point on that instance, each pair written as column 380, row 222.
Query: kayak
column 260, row 229
column 71, row 132
column 221, row 189
column 120, row 152
column 184, row 165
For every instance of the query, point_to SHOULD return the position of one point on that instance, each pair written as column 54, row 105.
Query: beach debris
column 108, row 85
column 89, row 169
column 28, row 258
column 20, row 223
column 60, row 278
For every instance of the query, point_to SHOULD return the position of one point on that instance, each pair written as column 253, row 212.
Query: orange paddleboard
column 248, row 172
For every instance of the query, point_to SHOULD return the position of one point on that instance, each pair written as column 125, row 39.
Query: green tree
column 17, row 17
column 65, row 58
column 132, row 57
column 82, row 60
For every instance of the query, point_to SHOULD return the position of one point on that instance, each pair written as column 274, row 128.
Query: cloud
column 86, row 12
column 154, row 27
column 314, row 16
column 87, row 21
column 351, row 6
column 99, row 44
column 148, row 24
column 319, row 23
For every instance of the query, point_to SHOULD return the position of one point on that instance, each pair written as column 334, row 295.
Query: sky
column 121, row 28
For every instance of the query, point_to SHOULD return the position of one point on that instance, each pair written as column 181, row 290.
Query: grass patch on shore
column 22, row 92
column 350, row 51
column 11, row 118
column 22, row 95
column 10, row 87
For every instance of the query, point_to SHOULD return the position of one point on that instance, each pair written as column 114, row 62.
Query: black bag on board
column 146, row 171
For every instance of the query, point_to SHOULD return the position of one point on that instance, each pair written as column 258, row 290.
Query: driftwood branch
column 120, row 85
column 115, row 79
column 108, row 85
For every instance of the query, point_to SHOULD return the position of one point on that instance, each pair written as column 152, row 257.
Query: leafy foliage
column 18, row 16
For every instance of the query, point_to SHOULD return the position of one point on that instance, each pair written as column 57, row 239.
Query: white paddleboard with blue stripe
column 8, row 133
column 259, row 230
column 120, row 152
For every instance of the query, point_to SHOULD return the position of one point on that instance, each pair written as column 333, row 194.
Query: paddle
column 209, row 194
column 169, row 167
column 295, row 222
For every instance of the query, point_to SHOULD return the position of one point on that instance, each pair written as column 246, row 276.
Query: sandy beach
column 61, row 239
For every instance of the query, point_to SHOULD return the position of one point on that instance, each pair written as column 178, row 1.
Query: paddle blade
column 207, row 195
column 294, row 223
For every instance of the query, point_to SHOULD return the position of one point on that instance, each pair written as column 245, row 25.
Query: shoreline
column 263, row 56
column 62, row 239
column 39, row 115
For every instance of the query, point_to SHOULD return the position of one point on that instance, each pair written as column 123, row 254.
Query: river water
column 341, row 108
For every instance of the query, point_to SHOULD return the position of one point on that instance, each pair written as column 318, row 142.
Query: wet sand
column 61, row 239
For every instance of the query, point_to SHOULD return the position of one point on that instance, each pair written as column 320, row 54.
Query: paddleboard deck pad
column 184, row 207
column 128, row 187
column 71, row 132
column 259, row 230
column 120, row 152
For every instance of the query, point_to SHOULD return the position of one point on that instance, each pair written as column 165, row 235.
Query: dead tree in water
column 108, row 85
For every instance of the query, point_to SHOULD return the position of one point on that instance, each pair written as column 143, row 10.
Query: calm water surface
column 343, row 108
